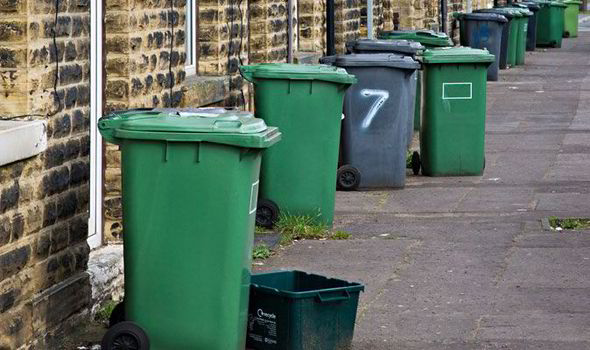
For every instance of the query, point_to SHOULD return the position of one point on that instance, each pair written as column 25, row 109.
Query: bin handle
column 345, row 296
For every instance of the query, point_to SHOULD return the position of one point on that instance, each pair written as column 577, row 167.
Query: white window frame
column 190, row 37
column 95, row 221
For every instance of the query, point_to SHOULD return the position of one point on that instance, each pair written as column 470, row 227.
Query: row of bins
column 509, row 31
column 216, row 172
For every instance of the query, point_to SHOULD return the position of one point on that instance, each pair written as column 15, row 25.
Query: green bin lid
column 230, row 127
column 572, row 2
column 385, row 46
column 512, row 10
column 377, row 60
column 296, row 72
column 524, row 11
column 558, row 4
column 506, row 12
column 457, row 55
column 424, row 37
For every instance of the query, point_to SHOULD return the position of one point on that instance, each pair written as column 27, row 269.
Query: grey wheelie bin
column 374, row 129
column 400, row 47
column 484, row 31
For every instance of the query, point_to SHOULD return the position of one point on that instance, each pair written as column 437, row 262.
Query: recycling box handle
column 326, row 299
column 225, row 124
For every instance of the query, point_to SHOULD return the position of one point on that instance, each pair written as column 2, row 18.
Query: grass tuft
column 340, row 235
column 569, row 223
column 105, row 311
column 261, row 252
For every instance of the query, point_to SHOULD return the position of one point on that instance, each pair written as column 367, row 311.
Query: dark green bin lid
column 530, row 5
column 558, row 4
column 424, row 37
column 290, row 71
column 230, row 127
column 389, row 60
column 542, row 3
column 572, row 2
column 482, row 16
column 450, row 55
column 385, row 46
column 295, row 284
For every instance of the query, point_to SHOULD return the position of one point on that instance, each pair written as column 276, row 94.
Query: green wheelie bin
column 523, row 23
column 298, row 176
column 190, row 185
column 550, row 23
column 531, row 38
column 509, row 35
column 453, row 130
column 571, row 12
column 428, row 38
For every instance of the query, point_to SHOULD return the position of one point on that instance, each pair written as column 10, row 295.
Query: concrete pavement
column 465, row 263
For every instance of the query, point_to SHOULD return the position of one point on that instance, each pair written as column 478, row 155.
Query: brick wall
column 44, row 199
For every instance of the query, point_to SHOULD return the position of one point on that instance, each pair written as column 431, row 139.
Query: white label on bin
column 457, row 91
column 262, row 328
column 382, row 96
column 254, row 197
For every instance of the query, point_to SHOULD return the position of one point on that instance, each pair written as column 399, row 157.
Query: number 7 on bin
column 382, row 96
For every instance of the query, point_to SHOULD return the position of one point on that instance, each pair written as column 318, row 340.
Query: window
column 191, row 37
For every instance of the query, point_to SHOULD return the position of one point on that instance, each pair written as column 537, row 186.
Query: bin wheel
column 348, row 178
column 267, row 213
column 125, row 336
column 416, row 163
column 484, row 163
column 117, row 315
column 566, row 34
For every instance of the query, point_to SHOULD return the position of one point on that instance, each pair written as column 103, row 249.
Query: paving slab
column 570, row 167
column 541, row 327
column 548, row 267
column 575, row 203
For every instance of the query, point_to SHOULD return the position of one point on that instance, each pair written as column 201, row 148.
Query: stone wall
column 145, row 57
column 223, row 44
column 414, row 14
column 312, row 25
column 347, row 21
column 44, row 199
column 268, row 31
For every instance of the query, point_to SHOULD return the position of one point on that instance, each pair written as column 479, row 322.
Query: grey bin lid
column 386, row 46
column 484, row 16
column 329, row 59
column 389, row 60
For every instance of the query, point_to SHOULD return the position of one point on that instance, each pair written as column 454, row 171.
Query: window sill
column 21, row 139
column 204, row 91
